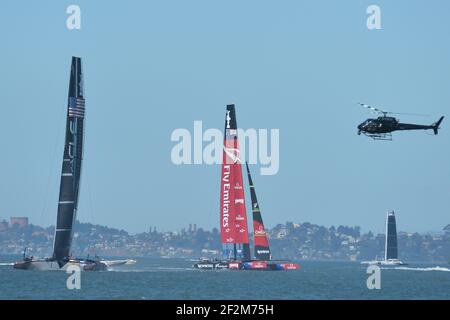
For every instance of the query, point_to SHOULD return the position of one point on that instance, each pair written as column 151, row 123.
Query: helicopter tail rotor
column 436, row 125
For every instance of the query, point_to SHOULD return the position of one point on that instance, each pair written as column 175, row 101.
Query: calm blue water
column 173, row 279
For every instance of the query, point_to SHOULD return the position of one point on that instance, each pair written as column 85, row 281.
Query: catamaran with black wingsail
column 390, row 246
column 69, row 186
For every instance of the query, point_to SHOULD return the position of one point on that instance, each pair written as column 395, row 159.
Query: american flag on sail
column 76, row 107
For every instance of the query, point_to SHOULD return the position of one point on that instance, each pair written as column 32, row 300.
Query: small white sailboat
column 391, row 248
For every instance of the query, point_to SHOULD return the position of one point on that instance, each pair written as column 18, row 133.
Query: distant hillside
column 304, row 241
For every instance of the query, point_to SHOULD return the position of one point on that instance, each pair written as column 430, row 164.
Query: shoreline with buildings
column 299, row 241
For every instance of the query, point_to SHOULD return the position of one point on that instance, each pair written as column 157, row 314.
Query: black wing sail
column 391, row 237
column 71, row 167
column 261, row 242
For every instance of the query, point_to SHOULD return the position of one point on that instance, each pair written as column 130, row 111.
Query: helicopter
column 381, row 127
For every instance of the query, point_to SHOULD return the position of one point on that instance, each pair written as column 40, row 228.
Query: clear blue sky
column 300, row 66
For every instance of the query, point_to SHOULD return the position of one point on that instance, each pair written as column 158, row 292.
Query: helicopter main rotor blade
column 372, row 108
column 411, row 114
column 376, row 110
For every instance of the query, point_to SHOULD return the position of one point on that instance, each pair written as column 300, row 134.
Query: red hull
column 22, row 265
column 263, row 265
column 291, row 266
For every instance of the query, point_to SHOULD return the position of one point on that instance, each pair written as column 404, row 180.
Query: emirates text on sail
column 226, row 196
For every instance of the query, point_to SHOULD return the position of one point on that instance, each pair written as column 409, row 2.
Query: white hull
column 44, row 266
column 49, row 265
column 392, row 262
column 111, row 263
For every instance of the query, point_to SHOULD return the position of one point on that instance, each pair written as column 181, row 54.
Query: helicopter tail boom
column 436, row 125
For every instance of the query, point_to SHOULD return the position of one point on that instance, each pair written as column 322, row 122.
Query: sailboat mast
column 71, row 166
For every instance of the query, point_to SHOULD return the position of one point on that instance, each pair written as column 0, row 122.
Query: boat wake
column 172, row 268
column 437, row 268
column 112, row 263
column 6, row 264
column 150, row 269
column 127, row 271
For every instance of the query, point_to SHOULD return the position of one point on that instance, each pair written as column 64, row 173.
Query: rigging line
column 50, row 181
column 86, row 176
column 90, row 203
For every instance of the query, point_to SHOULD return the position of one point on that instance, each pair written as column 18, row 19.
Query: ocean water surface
column 155, row 278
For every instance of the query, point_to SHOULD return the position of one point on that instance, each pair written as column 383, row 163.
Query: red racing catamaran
column 233, row 216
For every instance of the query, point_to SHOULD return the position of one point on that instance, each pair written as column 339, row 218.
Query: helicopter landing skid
column 380, row 136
